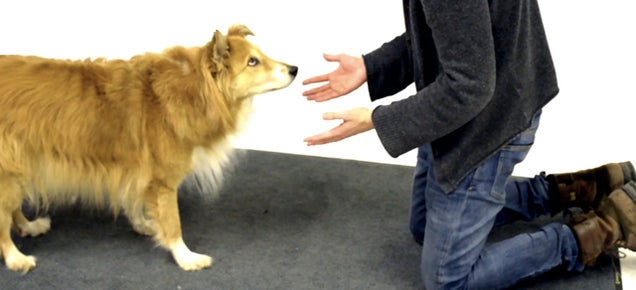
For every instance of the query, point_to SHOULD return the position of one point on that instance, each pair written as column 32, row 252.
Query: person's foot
column 612, row 225
column 586, row 188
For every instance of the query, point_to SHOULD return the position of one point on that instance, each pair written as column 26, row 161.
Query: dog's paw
column 36, row 227
column 18, row 262
column 188, row 260
column 192, row 261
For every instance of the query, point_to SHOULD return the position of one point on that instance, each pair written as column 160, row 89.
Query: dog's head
column 240, row 66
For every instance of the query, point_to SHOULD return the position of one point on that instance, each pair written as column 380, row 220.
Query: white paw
column 188, row 260
column 193, row 261
column 36, row 227
column 16, row 261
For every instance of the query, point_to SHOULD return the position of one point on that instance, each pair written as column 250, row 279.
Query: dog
column 124, row 134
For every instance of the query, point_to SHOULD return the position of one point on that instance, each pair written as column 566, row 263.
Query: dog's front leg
column 11, row 196
column 163, row 203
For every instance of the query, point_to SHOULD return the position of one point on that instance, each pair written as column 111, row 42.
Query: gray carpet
column 282, row 222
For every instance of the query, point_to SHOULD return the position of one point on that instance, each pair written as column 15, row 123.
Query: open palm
column 349, row 75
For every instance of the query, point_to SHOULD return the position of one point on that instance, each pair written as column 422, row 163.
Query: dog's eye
column 252, row 61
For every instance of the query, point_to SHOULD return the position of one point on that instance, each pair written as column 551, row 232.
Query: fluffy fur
column 124, row 133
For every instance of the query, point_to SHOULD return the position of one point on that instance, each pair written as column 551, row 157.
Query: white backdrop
column 590, row 123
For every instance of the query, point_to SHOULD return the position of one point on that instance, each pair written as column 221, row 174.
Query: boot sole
column 630, row 189
column 624, row 201
column 629, row 173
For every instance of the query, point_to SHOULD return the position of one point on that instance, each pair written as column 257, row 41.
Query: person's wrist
column 362, row 71
column 369, row 119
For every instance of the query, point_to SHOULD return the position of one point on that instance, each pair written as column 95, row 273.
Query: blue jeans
column 453, row 227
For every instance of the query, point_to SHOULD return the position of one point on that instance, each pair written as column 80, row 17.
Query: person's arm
column 389, row 68
column 463, row 39
column 387, row 71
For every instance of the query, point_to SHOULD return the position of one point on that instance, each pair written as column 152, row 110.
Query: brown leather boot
column 586, row 188
column 612, row 225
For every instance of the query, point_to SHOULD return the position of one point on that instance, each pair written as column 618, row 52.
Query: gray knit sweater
column 482, row 70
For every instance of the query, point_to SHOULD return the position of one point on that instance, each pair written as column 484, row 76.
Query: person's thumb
column 331, row 57
column 333, row 116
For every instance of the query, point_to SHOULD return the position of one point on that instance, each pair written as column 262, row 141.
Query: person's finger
column 316, row 90
column 318, row 139
column 324, row 96
column 321, row 139
column 335, row 134
column 321, row 95
column 316, row 79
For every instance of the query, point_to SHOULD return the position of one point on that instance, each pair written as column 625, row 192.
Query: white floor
column 628, row 270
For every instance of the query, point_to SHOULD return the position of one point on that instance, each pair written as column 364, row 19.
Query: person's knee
column 436, row 275
column 432, row 280
column 431, row 277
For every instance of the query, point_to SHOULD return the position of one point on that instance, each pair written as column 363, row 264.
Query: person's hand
column 354, row 121
column 349, row 75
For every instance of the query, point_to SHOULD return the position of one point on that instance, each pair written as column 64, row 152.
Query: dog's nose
column 293, row 70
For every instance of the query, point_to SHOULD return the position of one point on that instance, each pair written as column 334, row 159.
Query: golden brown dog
column 123, row 133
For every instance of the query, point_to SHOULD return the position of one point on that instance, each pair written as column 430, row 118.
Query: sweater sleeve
column 461, row 31
column 389, row 68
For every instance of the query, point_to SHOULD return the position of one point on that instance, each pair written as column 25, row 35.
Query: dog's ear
column 218, row 52
column 239, row 30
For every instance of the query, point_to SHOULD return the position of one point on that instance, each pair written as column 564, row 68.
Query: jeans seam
column 449, row 239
